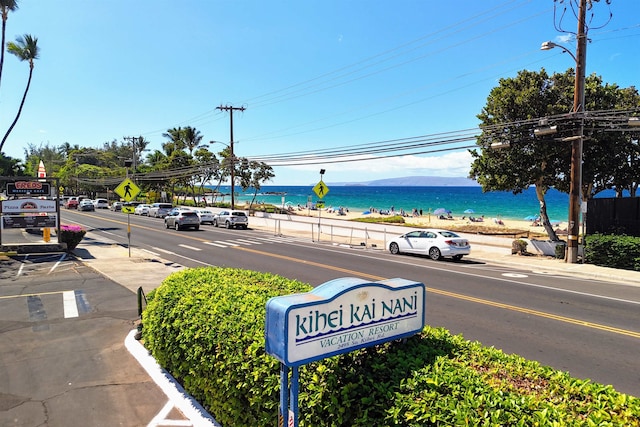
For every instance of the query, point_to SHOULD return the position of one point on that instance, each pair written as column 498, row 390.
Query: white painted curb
column 174, row 391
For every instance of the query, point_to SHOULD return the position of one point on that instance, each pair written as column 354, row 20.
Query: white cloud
column 453, row 164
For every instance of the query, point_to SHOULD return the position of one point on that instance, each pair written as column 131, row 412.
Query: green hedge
column 616, row 251
column 206, row 327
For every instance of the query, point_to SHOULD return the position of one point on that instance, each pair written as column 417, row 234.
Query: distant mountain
column 414, row 181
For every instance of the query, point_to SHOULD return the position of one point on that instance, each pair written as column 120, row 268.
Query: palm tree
column 192, row 138
column 6, row 6
column 176, row 139
column 26, row 49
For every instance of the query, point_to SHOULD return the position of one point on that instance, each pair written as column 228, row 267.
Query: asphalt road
column 63, row 360
column 587, row 327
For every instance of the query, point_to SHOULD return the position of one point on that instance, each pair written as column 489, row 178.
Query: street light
column 573, row 229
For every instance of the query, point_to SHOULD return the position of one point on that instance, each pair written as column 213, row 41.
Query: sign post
column 337, row 317
column 128, row 190
column 321, row 190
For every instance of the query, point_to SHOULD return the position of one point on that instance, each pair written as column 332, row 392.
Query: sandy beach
column 434, row 221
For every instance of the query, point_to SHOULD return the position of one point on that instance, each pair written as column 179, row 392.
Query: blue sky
column 312, row 75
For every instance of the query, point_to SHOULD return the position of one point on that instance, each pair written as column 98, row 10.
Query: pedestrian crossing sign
column 127, row 189
column 321, row 189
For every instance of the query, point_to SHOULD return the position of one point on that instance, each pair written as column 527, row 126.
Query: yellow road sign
column 128, row 209
column 321, row 189
column 127, row 189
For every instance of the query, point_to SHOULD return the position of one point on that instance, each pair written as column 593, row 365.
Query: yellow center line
column 32, row 295
column 503, row 306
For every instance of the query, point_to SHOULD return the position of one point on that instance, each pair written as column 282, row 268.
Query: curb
column 189, row 407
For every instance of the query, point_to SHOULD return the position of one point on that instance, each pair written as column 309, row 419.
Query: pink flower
column 71, row 228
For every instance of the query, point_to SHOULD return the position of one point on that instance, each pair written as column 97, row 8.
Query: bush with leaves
column 616, row 251
column 206, row 327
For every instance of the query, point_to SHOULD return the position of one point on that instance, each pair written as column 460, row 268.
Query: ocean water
column 456, row 199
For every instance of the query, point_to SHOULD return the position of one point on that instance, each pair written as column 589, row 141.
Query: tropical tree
column 191, row 138
column 26, row 49
column 513, row 156
column 253, row 174
column 176, row 141
column 208, row 167
column 10, row 166
column 6, row 6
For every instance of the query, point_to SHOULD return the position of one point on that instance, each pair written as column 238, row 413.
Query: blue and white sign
column 342, row 315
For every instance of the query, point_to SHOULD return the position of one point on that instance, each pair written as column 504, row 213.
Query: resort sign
column 337, row 317
column 341, row 316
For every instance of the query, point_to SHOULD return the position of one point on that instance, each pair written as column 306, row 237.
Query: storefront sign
column 341, row 316
column 29, row 221
column 28, row 187
column 28, row 205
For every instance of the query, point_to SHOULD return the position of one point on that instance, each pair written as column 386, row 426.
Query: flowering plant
column 71, row 235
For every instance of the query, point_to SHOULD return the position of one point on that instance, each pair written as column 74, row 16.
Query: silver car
column 160, row 210
column 181, row 219
column 231, row 219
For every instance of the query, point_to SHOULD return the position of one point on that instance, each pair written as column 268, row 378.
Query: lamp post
column 573, row 229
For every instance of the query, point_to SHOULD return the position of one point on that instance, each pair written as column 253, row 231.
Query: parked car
column 116, row 206
column 86, row 205
column 101, row 204
column 433, row 242
column 231, row 219
column 71, row 203
column 180, row 219
column 160, row 210
column 142, row 209
column 206, row 216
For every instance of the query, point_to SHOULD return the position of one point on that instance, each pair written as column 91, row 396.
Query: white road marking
column 54, row 266
column 193, row 248
column 69, row 304
column 165, row 251
column 22, row 266
column 247, row 242
column 215, row 244
column 222, row 242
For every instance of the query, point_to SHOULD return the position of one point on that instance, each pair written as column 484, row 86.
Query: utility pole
column 231, row 109
column 575, row 191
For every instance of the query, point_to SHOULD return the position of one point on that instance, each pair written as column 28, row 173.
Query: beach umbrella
column 469, row 211
column 531, row 217
column 441, row 211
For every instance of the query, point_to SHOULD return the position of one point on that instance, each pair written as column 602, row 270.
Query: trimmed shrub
column 72, row 235
column 519, row 247
column 206, row 327
column 561, row 249
column 395, row 219
column 616, row 251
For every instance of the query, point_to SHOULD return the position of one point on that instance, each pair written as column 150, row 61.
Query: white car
column 206, row 216
column 101, row 204
column 142, row 209
column 433, row 242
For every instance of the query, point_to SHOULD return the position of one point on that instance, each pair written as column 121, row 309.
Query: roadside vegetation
column 206, row 327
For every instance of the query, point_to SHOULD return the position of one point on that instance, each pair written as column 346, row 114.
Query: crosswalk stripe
column 190, row 247
column 223, row 242
column 215, row 244
column 247, row 242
